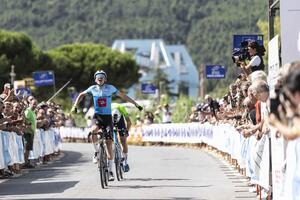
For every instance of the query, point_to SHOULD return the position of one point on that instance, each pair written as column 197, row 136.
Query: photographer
column 256, row 53
column 213, row 105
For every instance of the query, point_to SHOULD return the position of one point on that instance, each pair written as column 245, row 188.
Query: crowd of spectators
column 23, row 116
column 253, row 107
column 162, row 114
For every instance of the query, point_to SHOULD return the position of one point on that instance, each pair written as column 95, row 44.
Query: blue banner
column 43, row 78
column 23, row 92
column 215, row 71
column 238, row 39
column 148, row 88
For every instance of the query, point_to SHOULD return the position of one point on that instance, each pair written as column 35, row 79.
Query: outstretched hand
column 74, row 110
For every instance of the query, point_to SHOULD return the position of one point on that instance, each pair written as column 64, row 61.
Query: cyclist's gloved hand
column 74, row 109
column 139, row 107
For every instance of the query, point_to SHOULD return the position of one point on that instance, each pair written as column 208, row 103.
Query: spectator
column 256, row 63
column 213, row 105
column 6, row 89
column 31, row 122
column 70, row 122
column 149, row 118
column 293, row 92
column 194, row 117
column 166, row 114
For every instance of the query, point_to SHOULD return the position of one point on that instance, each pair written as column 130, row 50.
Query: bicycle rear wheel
column 102, row 164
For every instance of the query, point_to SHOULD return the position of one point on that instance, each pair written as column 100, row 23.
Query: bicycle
column 102, row 158
column 118, row 155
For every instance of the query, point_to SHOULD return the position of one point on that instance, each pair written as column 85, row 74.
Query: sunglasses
column 100, row 76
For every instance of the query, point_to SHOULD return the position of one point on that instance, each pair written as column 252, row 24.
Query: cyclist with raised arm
column 102, row 96
column 122, row 122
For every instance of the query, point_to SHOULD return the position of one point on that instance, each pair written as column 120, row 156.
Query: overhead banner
column 290, row 30
column 238, row 39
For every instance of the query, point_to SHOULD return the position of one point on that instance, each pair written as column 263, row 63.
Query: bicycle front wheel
column 102, row 164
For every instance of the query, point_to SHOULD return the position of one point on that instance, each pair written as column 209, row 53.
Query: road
column 156, row 173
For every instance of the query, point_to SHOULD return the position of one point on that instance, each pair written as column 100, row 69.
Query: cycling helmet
column 116, row 115
column 100, row 72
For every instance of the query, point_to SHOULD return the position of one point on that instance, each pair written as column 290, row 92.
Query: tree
column 17, row 49
column 182, row 109
column 162, row 82
column 264, row 29
column 81, row 61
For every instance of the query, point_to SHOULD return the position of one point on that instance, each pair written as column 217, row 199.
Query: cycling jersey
column 120, row 108
column 102, row 97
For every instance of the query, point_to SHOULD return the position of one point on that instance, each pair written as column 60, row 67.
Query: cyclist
column 102, row 94
column 120, row 115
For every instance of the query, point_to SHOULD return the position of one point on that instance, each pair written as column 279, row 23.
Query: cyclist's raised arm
column 127, row 98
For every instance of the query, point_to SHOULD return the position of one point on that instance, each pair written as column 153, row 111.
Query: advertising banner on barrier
column 177, row 133
column 278, row 147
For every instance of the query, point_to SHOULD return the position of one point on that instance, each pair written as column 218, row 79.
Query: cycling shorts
column 121, row 126
column 104, row 122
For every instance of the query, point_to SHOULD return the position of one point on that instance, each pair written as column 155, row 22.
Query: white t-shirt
column 255, row 61
column 166, row 116
column 264, row 110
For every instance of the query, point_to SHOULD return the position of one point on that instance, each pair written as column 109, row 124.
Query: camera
column 278, row 100
column 241, row 54
column 201, row 107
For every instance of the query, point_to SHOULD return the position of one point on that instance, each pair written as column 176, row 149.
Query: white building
column 173, row 60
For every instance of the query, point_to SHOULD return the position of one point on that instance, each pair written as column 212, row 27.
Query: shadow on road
column 158, row 186
column 155, row 179
column 37, row 188
column 38, row 180
column 171, row 198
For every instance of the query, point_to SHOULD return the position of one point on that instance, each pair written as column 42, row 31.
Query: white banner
column 290, row 30
column 273, row 61
column 177, row 133
column 278, row 157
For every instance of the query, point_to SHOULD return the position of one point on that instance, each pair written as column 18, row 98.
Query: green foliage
column 205, row 26
column 76, row 61
column 16, row 49
column 182, row 109
column 264, row 29
column 80, row 61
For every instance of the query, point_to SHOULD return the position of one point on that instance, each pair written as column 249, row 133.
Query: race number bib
column 101, row 102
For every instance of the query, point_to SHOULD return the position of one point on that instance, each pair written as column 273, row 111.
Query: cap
column 7, row 85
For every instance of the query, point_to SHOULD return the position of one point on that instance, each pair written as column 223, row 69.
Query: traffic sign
column 215, row 71
column 148, row 88
column 43, row 78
